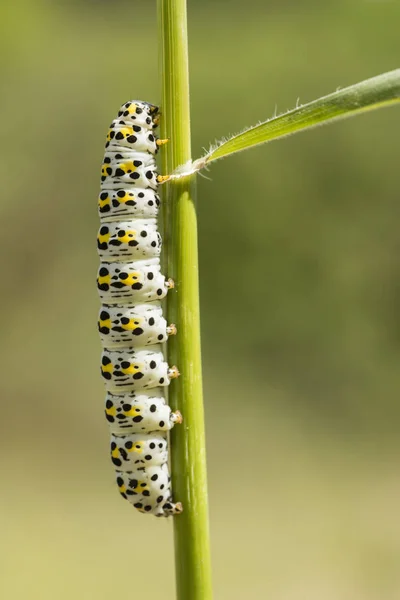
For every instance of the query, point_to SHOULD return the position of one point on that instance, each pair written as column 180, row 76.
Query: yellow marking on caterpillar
column 137, row 447
column 105, row 323
column 111, row 411
column 128, row 166
column 125, row 198
column 115, row 453
column 103, row 203
column 133, row 410
column 139, row 488
column 122, row 488
column 107, row 368
column 131, row 369
column 104, row 279
column 131, row 109
column 103, row 238
column 131, row 326
column 131, row 279
column 126, row 131
column 130, row 235
column 162, row 142
column 104, row 170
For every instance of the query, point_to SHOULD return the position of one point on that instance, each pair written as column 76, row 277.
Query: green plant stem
column 188, row 458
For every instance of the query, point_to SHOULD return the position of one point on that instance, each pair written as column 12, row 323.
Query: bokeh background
column 300, row 288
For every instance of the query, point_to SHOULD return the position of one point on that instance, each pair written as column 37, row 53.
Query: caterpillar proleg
column 131, row 322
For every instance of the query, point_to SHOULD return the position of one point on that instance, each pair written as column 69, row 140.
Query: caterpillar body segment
column 136, row 451
column 138, row 412
column 116, row 203
column 148, row 490
column 131, row 282
column 135, row 368
column 138, row 325
column 131, row 322
column 127, row 240
column 140, row 113
column 125, row 135
column 128, row 167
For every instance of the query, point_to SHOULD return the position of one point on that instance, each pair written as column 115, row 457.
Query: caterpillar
column 131, row 322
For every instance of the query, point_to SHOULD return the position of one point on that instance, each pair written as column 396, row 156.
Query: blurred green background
column 300, row 287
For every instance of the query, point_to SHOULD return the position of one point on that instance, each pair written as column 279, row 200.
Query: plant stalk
column 188, row 456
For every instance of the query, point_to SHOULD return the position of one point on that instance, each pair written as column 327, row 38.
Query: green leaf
column 383, row 90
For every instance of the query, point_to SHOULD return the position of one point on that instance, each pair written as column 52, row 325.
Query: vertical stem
column 188, row 457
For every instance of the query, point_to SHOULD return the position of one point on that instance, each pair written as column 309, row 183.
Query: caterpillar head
column 140, row 113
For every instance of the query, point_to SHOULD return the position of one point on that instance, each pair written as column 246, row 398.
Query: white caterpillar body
column 139, row 412
column 132, row 282
column 140, row 325
column 131, row 321
column 135, row 369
